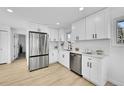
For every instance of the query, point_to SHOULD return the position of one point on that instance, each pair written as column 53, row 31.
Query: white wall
column 6, row 28
column 93, row 45
column 116, row 64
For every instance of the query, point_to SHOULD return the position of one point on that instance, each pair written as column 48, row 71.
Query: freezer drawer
column 38, row 62
column 76, row 63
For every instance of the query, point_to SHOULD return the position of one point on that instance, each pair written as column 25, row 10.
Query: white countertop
column 77, row 52
column 91, row 55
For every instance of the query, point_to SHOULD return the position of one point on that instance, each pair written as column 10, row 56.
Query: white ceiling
column 51, row 15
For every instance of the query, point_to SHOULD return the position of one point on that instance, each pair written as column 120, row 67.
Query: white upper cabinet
column 78, row 30
column 100, row 25
column 62, row 35
column 97, row 25
column 90, row 27
column 53, row 34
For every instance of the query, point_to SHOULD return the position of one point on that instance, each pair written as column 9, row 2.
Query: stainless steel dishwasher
column 76, row 63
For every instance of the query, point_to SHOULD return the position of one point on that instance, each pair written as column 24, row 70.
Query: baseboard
column 53, row 63
column 116, row 82
column 5, row 62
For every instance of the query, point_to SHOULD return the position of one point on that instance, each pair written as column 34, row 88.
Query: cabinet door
column 100, row 25
column 82, row 31
column 66, row 59
column 86, row 69
column 94, row 77
column 53, row 56
column 53, row 34
column 56, row 37
column 90, row 27
column 78, row 30
column 61, row 35
column 62, row 59
column 73, row 33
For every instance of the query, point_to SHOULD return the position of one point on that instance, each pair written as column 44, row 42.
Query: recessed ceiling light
column 57, row 23
column 10, row 10
column 81, row 9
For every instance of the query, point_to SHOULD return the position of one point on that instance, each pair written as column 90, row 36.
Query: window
column 120, row 32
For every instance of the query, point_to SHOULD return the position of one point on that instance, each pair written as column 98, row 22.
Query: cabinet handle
column 90, row 65
column 87, row 64
column 93, row 35
column 77, row 37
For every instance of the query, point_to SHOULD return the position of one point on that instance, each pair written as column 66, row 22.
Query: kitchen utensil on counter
column 76, row 49
column 88, row 51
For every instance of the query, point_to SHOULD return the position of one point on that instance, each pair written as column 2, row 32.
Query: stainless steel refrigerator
column 38, row 50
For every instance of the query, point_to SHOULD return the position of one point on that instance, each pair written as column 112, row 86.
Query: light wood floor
column 16, row 74
column 56, row 75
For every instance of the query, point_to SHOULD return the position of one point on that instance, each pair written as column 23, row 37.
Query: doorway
column 4, row 46
column 19, row 46
column 22, row 46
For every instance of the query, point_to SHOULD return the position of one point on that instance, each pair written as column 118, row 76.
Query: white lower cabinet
column 53, row 56
column 93, row 70
column 64, row 58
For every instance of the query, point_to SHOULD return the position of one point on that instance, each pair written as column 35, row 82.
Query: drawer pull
column 90, row 65
column 87, row 64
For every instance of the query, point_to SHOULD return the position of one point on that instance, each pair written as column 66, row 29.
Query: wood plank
column 55, row 75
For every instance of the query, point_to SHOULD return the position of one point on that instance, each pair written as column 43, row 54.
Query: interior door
column 3, row 46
